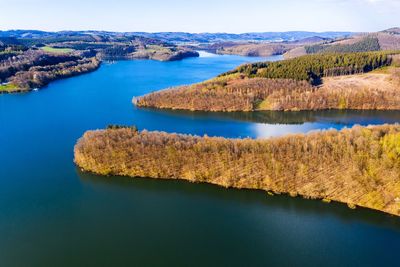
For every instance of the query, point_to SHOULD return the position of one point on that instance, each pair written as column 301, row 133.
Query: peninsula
column 358, row 166
column 362, row 80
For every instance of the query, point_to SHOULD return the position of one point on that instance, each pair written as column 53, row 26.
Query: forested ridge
column 358, row 166
column 295, row 84
column 313, row 67
column 369, row 43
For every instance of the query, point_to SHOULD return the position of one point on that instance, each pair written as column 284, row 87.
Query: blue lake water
column 51, row 214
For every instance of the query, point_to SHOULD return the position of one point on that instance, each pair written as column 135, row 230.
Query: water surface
column 51, row 214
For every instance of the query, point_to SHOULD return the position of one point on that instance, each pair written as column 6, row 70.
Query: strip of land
column 358, row 166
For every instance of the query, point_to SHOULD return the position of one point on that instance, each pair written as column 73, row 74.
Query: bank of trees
column 358, row 166
column 118, row 51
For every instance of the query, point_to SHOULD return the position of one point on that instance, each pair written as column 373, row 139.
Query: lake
column 51, row 214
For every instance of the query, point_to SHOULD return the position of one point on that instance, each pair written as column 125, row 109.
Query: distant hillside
column 255, row 49
column 260, row 49
column 385, row 40
column 395, row 30
column 181, row 37
column 311, row 40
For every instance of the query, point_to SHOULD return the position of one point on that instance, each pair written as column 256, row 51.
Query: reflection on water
column 280, row 230
column 249, row 197
column 349, row 117
column 262, row 124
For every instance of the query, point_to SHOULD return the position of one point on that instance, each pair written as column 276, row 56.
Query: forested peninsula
column 358, row 166
column 34, row 69
column 362, row 80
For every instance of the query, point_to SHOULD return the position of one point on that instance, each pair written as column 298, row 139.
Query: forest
column 369, row 43
column 358, row 166
column 313, row 67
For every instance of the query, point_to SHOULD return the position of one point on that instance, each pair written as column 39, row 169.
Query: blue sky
column 200, row 16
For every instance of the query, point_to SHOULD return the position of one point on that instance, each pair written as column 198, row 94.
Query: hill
column 395, row 30
column 378, row 41
column 254, row 49
column 213, row 38
column 260, row 49
column 183, row 37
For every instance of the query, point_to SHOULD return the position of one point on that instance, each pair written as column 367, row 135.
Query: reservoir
column 52, row 214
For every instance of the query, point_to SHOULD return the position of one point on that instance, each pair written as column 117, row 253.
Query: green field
column 8, row 87
column 57, row 50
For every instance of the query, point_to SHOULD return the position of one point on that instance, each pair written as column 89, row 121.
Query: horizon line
column 203, row 32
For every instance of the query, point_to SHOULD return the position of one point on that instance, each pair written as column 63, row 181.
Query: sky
column 233, row 16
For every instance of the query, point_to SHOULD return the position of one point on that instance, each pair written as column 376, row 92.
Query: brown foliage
column 358, row 166
column 35, row 68
column 241, row 94
column 39, row 76
column 366, row 91
column 255, row 49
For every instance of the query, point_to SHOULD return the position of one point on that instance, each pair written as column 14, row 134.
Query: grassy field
column 157, row 48
column 8, row 87
column 56, row 50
